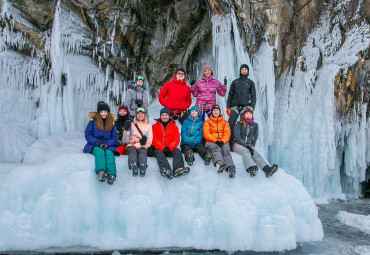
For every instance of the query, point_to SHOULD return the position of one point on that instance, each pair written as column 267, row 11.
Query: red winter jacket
column 175, row 95
column 165, row 138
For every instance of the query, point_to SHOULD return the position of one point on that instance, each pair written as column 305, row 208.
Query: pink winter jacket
column 133, row 136
column 205, row 90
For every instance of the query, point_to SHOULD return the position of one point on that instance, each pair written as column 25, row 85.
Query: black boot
column 252, row 170
column 102, row 175
column 166, row 173
column 111, row 179
column 189, row 157
column 142, row 168
column 231, row 170
column 220, row 166
column 270, row 170
column 135, row 169
column 207, row 158
column 181, row 171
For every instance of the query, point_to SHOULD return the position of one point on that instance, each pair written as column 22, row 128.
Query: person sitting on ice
column 216, row 132
column 166, row 138
column 175, row 95
column 139, row 138
column 136, row 97
column 192, row 137
column 205, row 91
column 101, row 137
column 123, row 116
column 245, row 135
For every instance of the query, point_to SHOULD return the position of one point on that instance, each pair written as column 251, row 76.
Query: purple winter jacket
column 205, row 90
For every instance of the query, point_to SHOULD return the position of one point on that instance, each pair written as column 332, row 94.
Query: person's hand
column 103, row 145
column 225, row 81
column 166, row 151
column 192, row 82
column 250, row 150
column 228, row 111
column 127, row 125
column 143, row 140
column 219, row 143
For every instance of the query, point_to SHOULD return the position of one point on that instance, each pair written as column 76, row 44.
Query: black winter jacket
column 246, row 136
column 242, row 92
column 120, row 123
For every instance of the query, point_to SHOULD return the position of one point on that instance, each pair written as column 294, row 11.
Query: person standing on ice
column 139, row 138
column 136, row 97
column 101, row 137
column 242, row 93
column 205, row 91
column 166, row 138
column 122, row 123
column 192, row 138
column 175, row 95
column 216, row 132
column 246, row 134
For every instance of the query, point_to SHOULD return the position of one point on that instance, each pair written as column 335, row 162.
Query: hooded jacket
column 205, row 90
column 94, row 135
column 120, row 123
column 169, row 137
column 132, row 94
column 192, row 131
column 175, row 95
column 246, row 136
column 242, row 92
column 133, row 136
column 216, row 129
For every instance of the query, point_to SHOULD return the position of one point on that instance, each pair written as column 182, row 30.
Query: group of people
column 213, row 138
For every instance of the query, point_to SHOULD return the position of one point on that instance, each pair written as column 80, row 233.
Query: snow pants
column 222, row 154
column 136, row 155
column 248, row 159
column 178, row 161
column 104, row 161
column 198, row 148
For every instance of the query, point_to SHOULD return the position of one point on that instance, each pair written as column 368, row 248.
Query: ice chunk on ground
column 360, row 222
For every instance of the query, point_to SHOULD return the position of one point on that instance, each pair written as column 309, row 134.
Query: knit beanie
column 124, row 108
column 181, row 70
column 207, row 67
column 103, row 106
column 244, row 66
column 215, row 106
column 165, row 110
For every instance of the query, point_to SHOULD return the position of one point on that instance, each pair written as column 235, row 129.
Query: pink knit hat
column 207, row 67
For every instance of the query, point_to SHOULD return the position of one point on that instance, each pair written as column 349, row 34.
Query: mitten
column 192, row 82
column 166, row 151
column 103, row 145
column 127, row 125
column 219, row 143
column 143, row 140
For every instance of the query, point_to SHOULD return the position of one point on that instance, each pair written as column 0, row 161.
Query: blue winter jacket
column 192, row 131
column 94, row 136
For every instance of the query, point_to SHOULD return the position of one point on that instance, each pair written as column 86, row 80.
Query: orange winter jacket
column 216, row 129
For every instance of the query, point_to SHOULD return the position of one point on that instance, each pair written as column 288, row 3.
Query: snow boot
column 189, row 157
column 252, row 170
column 207, row 158
column 231, row 170
column 142, row 167
column 111, row 179
column 135, row 169
column 270, row 170
column 166, row 173
column 181, row 171
column 220, row 166
column 102, row 176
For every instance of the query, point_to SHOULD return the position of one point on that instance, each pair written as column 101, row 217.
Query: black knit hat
column 244, row 66
column 103, row 106
column 165, row 110
column 182, row 70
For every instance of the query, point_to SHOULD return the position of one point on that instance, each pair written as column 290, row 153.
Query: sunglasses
column 180, row 73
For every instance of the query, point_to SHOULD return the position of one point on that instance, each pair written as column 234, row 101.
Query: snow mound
column 360, row 222
column 13, row 143
column 60, row 203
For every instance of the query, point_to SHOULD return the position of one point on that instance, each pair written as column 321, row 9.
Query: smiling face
column 180, row 76
column 248, row 115
column 194, row 113
column 139, row 83
column 244, row 71
column 122, row 112
column 165, row 117
column 103, row 114
column 140, row 116
column 216, row 112
column 207, row 72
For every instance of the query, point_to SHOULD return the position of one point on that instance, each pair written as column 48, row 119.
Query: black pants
column 178, row 161
column 200, row 148
column 234, row 114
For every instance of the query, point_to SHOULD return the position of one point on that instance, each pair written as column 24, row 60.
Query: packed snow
column 56, row 200
column 360, row 222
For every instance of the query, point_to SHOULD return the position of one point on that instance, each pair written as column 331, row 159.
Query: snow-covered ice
column 360, row 222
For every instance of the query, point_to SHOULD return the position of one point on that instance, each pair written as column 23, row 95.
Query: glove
column 127, row 125
column 219, row 143
column 192, row 82
column 166, row 151
column 103, row 145
column 121, row 143
column 143, row 140
column 250, row 150
column 225, row 81
column 228, row 111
